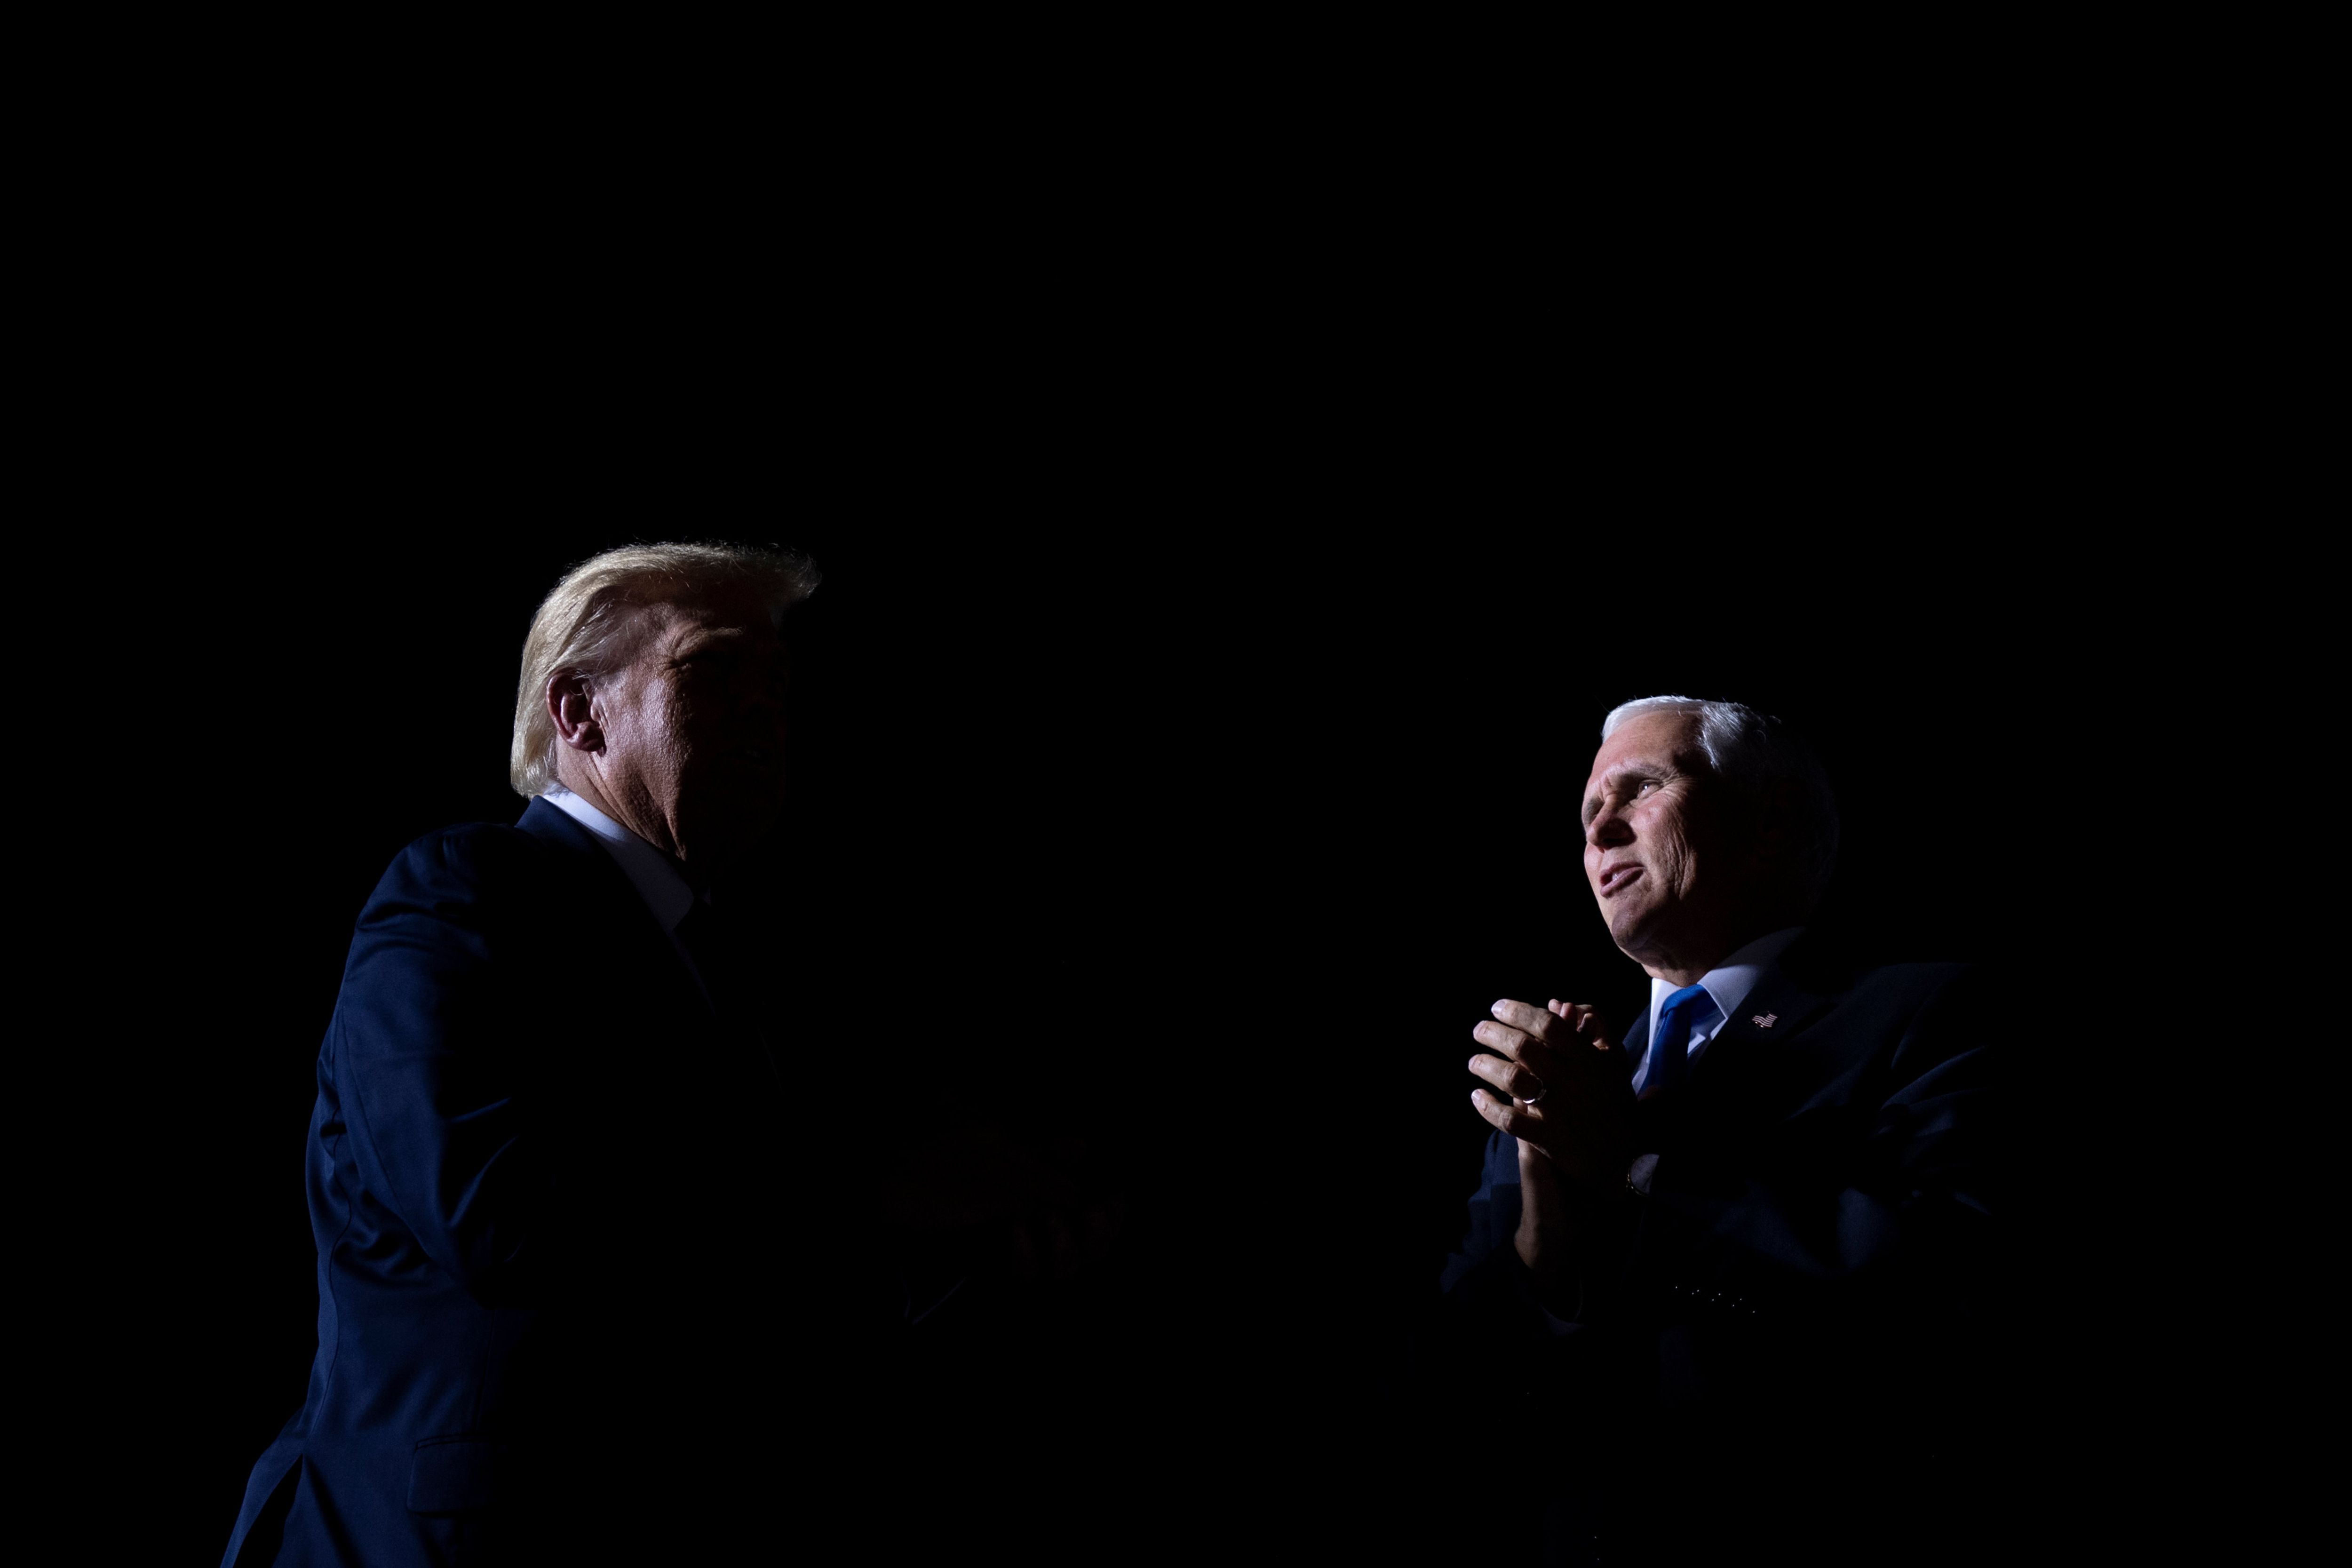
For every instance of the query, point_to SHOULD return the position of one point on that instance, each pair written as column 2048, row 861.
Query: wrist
column 1557, row 1283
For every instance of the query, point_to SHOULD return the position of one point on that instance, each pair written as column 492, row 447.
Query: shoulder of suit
column 482, row 844
column 1827, row 966
column 1915, row 977
column 1914, row 990
column 473, row 856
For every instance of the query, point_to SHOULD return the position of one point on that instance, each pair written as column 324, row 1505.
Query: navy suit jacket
column 1801, row 1294
column 541, row 1178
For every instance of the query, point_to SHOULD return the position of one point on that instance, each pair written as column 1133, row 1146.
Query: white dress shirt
column 1727, row 985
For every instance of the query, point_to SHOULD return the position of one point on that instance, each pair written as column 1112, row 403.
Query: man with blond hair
column 540, row 1169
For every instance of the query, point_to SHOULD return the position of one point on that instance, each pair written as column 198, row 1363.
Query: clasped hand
column 1563, row 1089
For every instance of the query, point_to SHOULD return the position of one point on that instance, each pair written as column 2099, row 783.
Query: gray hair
column 588, row 625
column 1754, row 753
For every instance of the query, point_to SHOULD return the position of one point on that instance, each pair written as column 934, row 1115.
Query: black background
column 1229, row 562
column 1216, row 627
column 1201, row 832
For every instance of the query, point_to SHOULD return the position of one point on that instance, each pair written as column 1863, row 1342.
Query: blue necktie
column 1686, row 1010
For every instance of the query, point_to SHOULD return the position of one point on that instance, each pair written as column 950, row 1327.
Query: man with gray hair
column 1727, row 1265
column 542, row 1163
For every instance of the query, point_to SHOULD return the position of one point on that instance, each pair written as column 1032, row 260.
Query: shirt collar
column 651, row 872
column 1729, row 982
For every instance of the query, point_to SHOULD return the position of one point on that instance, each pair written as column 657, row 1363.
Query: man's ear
column 571, row 706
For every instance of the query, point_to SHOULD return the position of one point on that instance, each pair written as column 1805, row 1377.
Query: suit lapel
column 1790, row 1006
column 1777, row 1011
column 656, row 954
column 728, row 1032
column 1636, row 1041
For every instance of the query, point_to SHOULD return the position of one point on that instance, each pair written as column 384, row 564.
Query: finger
column 1520, row 1045
column 1512, row 1080
column 1511, row 1118
column 1531, row 1020
column 1501, row 1037
column 1583, row 1021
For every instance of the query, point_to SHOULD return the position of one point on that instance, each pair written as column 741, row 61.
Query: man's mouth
column 1616, row 877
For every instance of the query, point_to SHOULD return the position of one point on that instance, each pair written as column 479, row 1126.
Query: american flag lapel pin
column 1764, row 1020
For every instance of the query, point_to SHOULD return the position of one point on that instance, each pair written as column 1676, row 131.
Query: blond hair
column 588, row 625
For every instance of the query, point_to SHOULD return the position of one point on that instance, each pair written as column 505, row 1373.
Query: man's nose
column 1607, row 829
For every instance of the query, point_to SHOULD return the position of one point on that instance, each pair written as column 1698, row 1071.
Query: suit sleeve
column 430, row 1041
column 1489, row 1306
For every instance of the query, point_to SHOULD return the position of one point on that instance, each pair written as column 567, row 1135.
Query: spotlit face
column 1652, row 832
column 694, row 727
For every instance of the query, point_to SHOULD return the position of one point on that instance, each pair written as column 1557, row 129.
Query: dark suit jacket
column 541, row 1176
column 1798, row 1308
